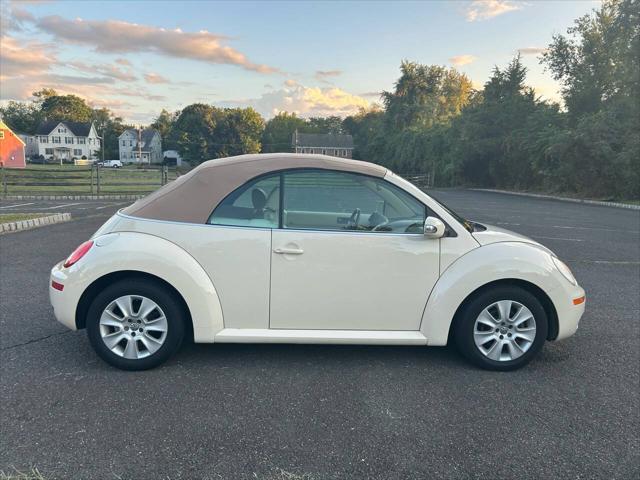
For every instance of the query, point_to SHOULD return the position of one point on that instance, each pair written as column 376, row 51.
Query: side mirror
column 434, row 228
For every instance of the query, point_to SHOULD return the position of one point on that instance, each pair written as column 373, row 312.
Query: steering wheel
column 354, row 220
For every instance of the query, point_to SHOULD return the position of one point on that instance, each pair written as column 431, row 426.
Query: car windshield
column 467, row 224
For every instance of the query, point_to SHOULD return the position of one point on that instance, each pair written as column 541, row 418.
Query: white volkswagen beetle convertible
column 289, row 248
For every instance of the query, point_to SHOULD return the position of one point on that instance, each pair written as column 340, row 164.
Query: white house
column 63, row 141
column 140, row 146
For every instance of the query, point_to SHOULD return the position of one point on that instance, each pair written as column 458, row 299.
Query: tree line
column 434, row 121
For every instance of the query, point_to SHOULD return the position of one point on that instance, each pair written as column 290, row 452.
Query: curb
column 628, row 206
column 34, row 223
column 73, row 197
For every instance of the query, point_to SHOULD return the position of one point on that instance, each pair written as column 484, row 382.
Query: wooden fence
column 84, row 180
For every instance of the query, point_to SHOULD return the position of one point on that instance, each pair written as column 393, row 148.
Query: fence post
column 91, row 178
column 4, row 181
column 98, row 179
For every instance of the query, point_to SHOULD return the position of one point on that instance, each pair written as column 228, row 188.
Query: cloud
column 112, row 36
column 531, row 50
column 155, row 78
column 123, row 61
column 479, row 10
column 22, row 59
column 107, row 70
column 305, row 101
column 370, row 94
column 325, row 74
column 460, row 60
column 290, row 82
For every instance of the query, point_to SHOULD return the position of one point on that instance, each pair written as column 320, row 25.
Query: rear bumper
column 63, row 301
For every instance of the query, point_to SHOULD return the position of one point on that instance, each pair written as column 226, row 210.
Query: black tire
column 163, row 297
column 465, row 323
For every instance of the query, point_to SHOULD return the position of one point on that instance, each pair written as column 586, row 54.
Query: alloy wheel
column 504, row 330
column 133, row 326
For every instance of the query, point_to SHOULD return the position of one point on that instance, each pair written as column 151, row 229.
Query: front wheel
column 135, row 324
column 502, row 328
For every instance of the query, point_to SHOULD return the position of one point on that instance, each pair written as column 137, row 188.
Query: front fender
column 490, row 263
column 133, row 251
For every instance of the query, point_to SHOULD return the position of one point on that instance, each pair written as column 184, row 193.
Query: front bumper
column 569, row 314
column 63, row 301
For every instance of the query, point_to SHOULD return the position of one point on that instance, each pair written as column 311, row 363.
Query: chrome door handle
column 288, row 251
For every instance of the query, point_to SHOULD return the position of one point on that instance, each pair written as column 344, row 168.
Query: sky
column 314, row 58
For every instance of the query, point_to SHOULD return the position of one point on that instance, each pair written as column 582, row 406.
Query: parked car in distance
column 111, row 163
column 290, row 248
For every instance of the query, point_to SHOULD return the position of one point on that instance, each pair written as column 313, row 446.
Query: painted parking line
column 605, row 262
column 110, row 205
column 62, row 206
column 18, row 205
column 558, row 238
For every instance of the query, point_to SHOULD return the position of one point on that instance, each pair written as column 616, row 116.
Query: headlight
column 564, row 270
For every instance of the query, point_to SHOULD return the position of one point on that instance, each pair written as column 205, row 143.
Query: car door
column 350, row 254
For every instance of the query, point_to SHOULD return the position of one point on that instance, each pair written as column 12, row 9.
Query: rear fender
column 140, row 252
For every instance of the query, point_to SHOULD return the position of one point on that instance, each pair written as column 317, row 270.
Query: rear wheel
column 135, row 324
column 502, row 328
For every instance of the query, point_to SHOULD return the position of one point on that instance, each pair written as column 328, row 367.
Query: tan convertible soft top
column 192, row 197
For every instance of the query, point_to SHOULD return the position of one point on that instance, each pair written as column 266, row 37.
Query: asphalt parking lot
column 324, row 412
column 77, row 208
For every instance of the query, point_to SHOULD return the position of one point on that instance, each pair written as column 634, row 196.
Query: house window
column 131, row 143
column 77, row 151
column 56, row 140
column 68, row 140
column 62, row 130
column 48, row 151
column 44, row 139
column 124, row 143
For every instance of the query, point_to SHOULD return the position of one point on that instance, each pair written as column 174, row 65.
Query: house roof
column 4, row 126
column 322, row 140
column 79, row 129
column 146, row 136
column 192, row 197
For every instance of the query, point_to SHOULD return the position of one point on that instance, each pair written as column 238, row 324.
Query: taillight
column 78, row 253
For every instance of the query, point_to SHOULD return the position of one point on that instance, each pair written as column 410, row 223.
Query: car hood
column 494, row 234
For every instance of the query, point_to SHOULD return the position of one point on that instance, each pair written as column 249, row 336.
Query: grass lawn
column 18, row 217
column 32, row 474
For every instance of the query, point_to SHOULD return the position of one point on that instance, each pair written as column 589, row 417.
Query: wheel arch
column 118, row 255
column 536, row 291
column 515, row 263
column 100, row 283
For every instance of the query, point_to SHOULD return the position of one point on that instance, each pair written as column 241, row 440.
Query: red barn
column 11, row 148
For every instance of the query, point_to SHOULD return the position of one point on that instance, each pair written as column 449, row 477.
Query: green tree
column 238, row 131
column 598, row 64
column 598, row 61
column 279, row 131
column 109, row 127
column 425, row 95
column 193, row 132
column 164, row 124
column 22, row 117
column 65, row 107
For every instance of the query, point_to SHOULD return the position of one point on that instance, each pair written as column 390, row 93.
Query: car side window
column 256, row 204
column 339, row 201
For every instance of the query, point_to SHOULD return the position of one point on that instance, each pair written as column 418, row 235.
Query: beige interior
column 192, row 197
